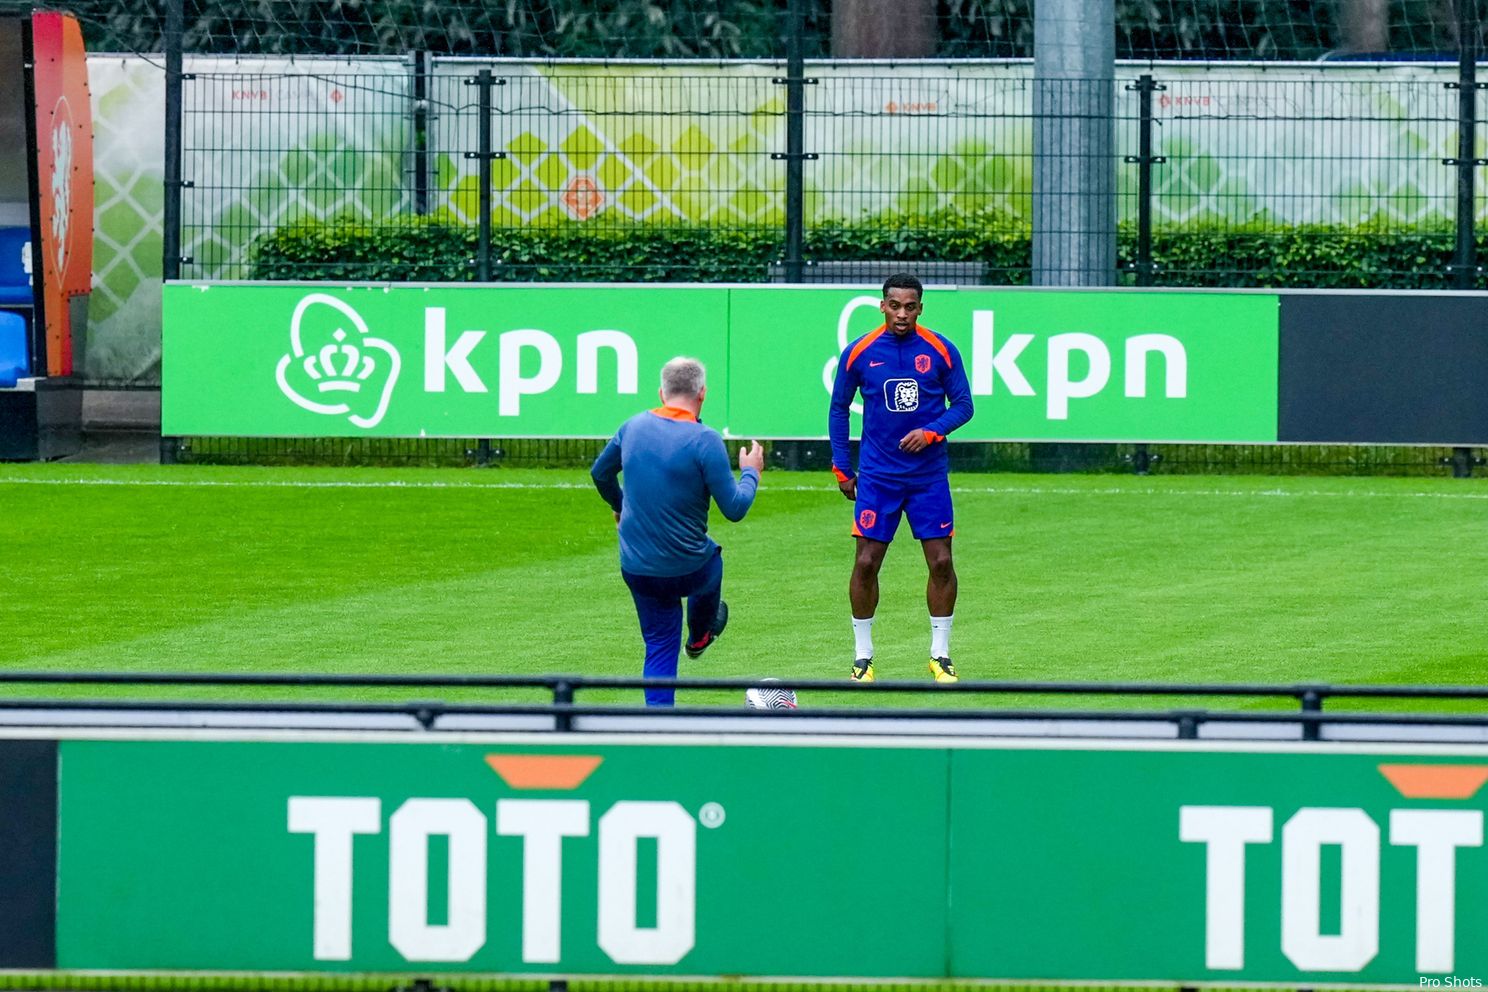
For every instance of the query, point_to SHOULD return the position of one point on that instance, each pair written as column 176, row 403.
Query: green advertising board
column 297, row 360
column 1042, row 364
column 1293, row 865
column 509, row 859
column 408, row 361
column 716, row 857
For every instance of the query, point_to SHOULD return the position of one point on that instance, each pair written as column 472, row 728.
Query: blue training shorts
column 927, row 504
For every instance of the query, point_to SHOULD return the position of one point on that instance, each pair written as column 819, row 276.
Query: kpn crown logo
column 335, row 367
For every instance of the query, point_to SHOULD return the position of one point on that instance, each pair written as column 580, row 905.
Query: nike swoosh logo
column 874, row 365
column 944, row 526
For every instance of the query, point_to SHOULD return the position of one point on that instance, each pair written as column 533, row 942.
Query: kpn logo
column 335, row 366
column 456, row 931
column 1074, row 365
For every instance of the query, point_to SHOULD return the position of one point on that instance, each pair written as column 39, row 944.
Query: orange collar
column 675, row 413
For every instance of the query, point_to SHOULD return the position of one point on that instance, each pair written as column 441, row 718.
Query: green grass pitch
column 510, row 571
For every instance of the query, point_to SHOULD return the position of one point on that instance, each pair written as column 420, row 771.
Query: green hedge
column 440, row 253
column 815, row 456
column 1300, row 257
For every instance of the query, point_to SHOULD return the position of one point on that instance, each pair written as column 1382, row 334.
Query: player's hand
column 850, row 489
column 752, row 457
column 617, row 518
column 914, row 442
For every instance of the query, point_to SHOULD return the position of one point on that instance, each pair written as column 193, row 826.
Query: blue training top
column 909, row 382
column 672, row 465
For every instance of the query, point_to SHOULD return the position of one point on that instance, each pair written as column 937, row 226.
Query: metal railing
column 565, row 712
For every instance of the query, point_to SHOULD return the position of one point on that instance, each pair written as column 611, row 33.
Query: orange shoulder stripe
column 868, row 339
column 935, row 342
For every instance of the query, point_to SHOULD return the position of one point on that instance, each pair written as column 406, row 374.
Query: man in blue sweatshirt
column 672, row 465
column 914, row 393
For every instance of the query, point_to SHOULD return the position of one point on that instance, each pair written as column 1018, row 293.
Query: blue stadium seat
column 15, row 281
column 13, row 361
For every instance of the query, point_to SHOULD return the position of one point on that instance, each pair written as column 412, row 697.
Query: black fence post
column 1142, row 264
column 484, row 82
column 795, row 139
column 1144, row 160
column 1312, row 702
column 422, row 65
column 483, row 251
column 170, row 261
column 175, row 22
column 1464, row 265
column 1141, row 459
column 1463, row 461
column 1465, row 258
column 563, row 695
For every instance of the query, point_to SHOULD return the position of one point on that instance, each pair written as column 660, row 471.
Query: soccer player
column 672, row 465
column 914, row 393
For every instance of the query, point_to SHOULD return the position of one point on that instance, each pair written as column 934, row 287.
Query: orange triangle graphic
column 543, row 771
column 1436, row 781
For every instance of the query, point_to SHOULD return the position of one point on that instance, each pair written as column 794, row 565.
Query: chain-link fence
column 815, row 456
column 459, row 170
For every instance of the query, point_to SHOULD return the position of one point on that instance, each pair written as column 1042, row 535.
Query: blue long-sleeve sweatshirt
column 672, row 466
column 909, row 382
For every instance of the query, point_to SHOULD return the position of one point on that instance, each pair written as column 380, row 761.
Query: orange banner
column 64, row 155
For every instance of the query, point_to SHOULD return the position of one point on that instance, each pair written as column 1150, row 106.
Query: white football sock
column 940, row 636
column 863, row 638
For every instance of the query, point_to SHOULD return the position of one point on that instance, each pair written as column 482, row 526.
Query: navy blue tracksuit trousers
column 658, row 602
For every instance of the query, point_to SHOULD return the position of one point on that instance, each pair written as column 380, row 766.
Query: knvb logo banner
column 64, row 167
column 60, row 183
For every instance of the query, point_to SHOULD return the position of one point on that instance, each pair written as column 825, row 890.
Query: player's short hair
column 683, row 376
column 903, row 280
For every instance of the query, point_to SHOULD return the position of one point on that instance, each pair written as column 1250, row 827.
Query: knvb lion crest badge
column 902, row 395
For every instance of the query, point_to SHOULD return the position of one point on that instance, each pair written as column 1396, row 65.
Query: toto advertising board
column 716, row 857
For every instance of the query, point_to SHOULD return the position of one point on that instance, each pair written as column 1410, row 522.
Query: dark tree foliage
column 716, row 29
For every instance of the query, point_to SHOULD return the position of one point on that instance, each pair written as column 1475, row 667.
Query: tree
column 1363, row 25
column 884, row 29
